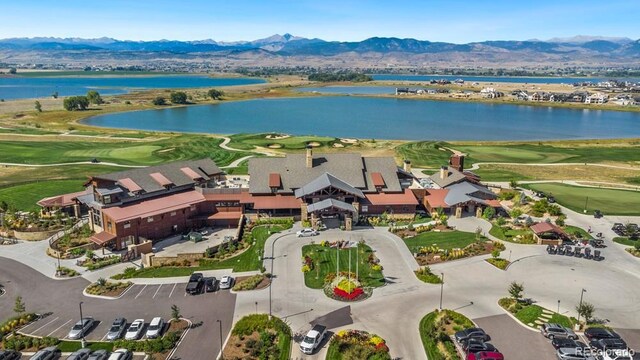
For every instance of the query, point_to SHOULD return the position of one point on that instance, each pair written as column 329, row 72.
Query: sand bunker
column 277, row 136
column 349, row 141
column 314, row 144
column 274, row 146
column 337, row 145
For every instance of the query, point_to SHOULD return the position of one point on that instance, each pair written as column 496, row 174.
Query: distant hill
column 299, row 50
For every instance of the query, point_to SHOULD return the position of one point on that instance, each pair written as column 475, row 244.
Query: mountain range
column 602, row 50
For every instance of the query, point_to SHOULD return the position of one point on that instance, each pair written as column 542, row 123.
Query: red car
column 485, row 355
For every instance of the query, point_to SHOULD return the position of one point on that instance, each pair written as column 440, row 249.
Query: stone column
column 348, row 223
column 479, row 212
column 458, row 212
column 356, row 214
column 314, row 220
column 76, row 210
column 304, row 213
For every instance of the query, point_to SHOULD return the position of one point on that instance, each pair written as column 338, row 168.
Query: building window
column 109, row 226
column 150, row 219
column 365, row 208
column 96, row 219
column 106, row 199
column 173, row 213
column 127, row 224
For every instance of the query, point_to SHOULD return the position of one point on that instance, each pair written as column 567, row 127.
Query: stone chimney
column 407, row 166
column 444, row 172
column 309, row 156
column 457, row 162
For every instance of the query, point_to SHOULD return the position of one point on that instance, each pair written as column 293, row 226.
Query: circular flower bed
column 345, row 288
column 357, row 344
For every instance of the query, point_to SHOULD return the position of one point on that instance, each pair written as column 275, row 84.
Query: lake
column 382, row 118
column 38, row 87
column 508, row 79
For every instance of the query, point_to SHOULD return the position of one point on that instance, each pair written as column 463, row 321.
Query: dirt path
column 477, row 165
column 72, row 163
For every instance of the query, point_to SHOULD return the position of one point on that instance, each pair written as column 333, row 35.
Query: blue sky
column 346, row 20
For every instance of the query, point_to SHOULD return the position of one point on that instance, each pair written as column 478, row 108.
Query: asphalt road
column 59, row 300
column 515, row 341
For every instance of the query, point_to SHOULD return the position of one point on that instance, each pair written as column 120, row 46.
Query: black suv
column 600, row 333
column 10, row 355
column 471, row 333
column 608, row 344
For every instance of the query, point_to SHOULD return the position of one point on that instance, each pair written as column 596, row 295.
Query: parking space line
column 59, row 327
column 45, row 325
column 144, row 287
column 154, row 295
column 174, row 287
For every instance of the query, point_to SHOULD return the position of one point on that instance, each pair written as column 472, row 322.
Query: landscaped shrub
column 426, row 275
column 95, row 264
column 13, row 323
column 165, row 343
column 249, row 283
column 102, row 287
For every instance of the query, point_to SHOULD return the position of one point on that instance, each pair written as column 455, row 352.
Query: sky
column 454, row 21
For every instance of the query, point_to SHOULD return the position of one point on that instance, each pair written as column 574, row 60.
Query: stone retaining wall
column 34, row 235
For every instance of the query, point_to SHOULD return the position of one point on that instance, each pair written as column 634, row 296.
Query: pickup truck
column 313, row 339
column 196, row 283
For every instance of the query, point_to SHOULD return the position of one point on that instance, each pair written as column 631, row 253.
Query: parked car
column 121, row 354
column 307, row 232
column 226, row 282
column 195, row 284
column 82, row 354
column 50, row 353
column 117, row 329
column 551, row 199
column 475, row 333
column 552, row 330
column 81, row 328
column 210, row 284
column 10, row 355
column 608, row 344
column 596, row 243
column 313, row 339
column 600, row 333
column 99, row 355
column 474, row 345
column 485, row 355
column 155, row 328
column 573, row 354
column 597, row 214
column 617, row 355
column 565, row 342
column 134, row 330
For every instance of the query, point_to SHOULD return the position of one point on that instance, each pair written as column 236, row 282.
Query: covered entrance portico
column 331, row 213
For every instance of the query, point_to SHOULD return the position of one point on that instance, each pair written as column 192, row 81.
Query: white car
column 134, row 330
column 307, row 232
column 226, row 282
column 156, row 326
column 121, row 354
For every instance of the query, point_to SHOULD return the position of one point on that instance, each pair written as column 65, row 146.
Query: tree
column 585, row 310
column 159, row 101
column 489, row 213
column 495, row 253
column 175, row 312
column 38, row 106
column 4, row 206
column 515, row 290
column 178, row 97
column 513, row 184
column 54, row 95
column 215, row 94
column 13, row 71
column 94, row 97
column 19, row 307
column 76, row 103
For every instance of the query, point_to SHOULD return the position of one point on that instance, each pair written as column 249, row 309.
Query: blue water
column 531, row 80
column 382, row 118
column 38, row 87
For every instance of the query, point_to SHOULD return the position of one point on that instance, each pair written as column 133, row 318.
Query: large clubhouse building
column 159, row 201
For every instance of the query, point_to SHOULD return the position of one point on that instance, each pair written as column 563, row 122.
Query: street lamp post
column 558, row 306
column 220, row 324
column 83, row 341
column 441, row 289
column 256, row 307
column 580, row 305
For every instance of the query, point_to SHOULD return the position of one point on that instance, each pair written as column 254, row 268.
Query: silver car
column 82, row 354
column 81, row 328
column 99, row 355
column 50, row 353
column 117, row 329
column 226, row 282
column 573, row 354
column 121, row 354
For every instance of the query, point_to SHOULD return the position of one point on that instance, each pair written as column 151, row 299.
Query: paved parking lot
column 59, row 302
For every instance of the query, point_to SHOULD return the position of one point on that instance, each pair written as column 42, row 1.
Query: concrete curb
column 518, row 321
column 85, row 293
column 184, row 334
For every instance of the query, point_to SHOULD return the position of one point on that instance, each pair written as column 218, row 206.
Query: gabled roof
column 330, row 203
column 545, row 227
column 452, row 176
column 191, row 173
column 204, row 168
column 154, row 206
column 377, row 179
column 324, row 181
column 129, row 185
column 161, row 179
column 61, row 200
column 404, row 198
column 274, row 180
column 467, row 191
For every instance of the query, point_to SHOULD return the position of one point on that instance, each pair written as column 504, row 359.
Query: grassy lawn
column 325, row 262
column 578, row 232
column 625, row 241
column 251, row 325
column 25, row 196
column 445, row 240
column 507, row 235
column 609, row 201
column 425, row 153
column 246, row 261
column 71, row 346
column 435, row 343
column 528, row 314
column 489, row 174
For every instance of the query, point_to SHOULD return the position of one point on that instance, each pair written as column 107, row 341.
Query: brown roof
column 225, row 196
column 190, row 173
column 274, row 180
column 377, row 179
column 226, row 215
column 102, row 237
column 405, row 198
column 435, row 198
column 545, row 227
column 268, row 202
column 130, row 184
column 61, row 200
column 154, row 206
column 161, row 179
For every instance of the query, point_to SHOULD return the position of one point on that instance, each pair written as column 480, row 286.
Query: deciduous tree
column 215, row 94
column 19, row 307
column 159, row 101
column 76, row 103
column 178, row 97
column 38, row 106
column 516, row 290
column 585, row 310
column 94, row 97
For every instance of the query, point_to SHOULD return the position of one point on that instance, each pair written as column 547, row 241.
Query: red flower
column 349, row 296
